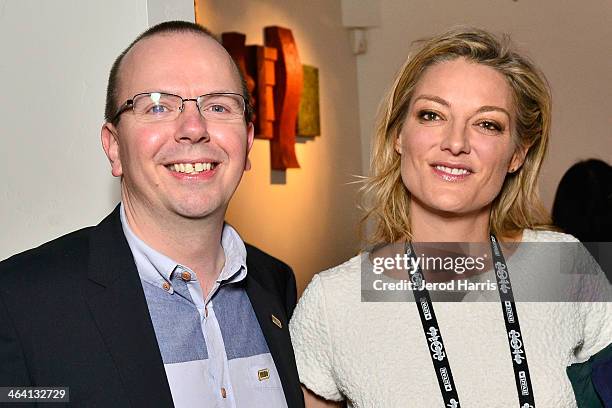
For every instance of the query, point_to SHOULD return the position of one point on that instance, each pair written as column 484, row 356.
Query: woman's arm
column 312, row 400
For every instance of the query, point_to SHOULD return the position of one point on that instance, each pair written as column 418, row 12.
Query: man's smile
column 192, row 167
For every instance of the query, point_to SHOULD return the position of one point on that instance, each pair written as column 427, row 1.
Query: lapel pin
column 277, row 322
column 263, row 374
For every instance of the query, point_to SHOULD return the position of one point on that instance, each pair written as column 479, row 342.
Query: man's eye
column 429, row 116
column 217, row 109
column 158, row 109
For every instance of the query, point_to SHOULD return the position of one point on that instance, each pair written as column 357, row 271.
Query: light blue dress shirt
column 213, row 350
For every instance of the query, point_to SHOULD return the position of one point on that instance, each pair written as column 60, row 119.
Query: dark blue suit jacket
column 73, row 313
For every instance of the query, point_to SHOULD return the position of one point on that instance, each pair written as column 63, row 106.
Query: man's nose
column 193, row 127
column 456, row 139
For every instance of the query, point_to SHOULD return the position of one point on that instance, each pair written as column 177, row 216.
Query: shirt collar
column 235, row 268
column 156, row 268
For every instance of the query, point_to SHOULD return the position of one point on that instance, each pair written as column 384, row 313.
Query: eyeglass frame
column 129, row 104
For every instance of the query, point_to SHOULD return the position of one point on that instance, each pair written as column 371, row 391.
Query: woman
column 457, row 153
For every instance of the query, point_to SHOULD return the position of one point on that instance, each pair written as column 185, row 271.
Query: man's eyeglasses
column 165, row 107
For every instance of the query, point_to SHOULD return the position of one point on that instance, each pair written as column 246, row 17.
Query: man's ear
column 110, row 144
column 250, row 138
column 518, row 158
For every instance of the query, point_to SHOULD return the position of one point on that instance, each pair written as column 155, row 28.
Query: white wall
column 159, row 11
column 56, row 56
column 569, row 40
column 310, row 220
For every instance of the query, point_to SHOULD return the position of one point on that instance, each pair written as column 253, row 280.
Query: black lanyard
column 434, row 336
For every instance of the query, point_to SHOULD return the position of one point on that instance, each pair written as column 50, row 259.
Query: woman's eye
column 429, row 116
column 490, row 126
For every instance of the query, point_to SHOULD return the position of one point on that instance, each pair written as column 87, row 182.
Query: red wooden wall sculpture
column 289, row 82
column 275, row 80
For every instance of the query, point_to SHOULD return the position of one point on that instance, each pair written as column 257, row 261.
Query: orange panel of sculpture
column 260, row 65
column 235, row 44
column 287, row 92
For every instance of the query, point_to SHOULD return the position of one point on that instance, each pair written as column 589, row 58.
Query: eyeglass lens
column 158, row 106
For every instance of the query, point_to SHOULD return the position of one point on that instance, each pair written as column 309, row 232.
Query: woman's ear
column 398, row 144
column 518, row 158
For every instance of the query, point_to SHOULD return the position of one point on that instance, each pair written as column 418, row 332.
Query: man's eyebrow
column 433, row 98
column 173, row 92
column 225, row 90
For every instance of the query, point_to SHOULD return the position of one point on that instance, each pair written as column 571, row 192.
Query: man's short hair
column 166, row 27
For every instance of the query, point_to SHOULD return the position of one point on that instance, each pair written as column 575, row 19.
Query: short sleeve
column 311, row 340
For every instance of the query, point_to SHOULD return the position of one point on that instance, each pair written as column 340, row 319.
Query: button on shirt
column 213, row 350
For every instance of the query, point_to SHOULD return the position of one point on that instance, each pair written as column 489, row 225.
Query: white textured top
column 374, row 354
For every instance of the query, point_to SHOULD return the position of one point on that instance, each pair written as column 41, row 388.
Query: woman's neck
column 432, row 226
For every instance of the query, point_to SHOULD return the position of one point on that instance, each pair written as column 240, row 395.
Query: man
column 162, row 303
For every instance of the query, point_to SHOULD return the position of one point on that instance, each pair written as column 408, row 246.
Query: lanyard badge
column 435, row 343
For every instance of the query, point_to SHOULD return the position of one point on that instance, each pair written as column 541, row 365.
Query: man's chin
column 200, row 211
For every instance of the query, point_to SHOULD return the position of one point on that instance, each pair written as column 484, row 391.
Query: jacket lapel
column 117, row 303
column 274, row 326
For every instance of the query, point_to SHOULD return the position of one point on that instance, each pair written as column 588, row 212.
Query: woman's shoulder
column 343, row 278
column 316, row 325
column 530, row 235
column 565, row 249
column 343, row 271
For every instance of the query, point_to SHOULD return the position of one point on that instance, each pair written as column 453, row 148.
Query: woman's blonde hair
column 386, row 200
